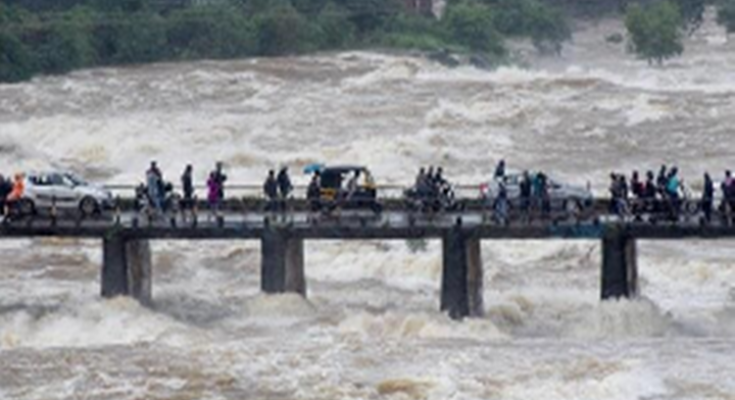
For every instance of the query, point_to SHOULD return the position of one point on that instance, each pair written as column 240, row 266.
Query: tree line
column 57, row 36
column 54, row 37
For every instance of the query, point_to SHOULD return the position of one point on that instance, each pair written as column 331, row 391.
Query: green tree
column 655, row 31
column 544, row 24
column 547, row 28
column 15, row 59
column 135, row 38
column 65, row 44
column 692, row 13
column 211, row 32
column 284, row 31
column 411, row 31
column 337, row 31
column 127, row 6
column 726, row 14
column 473, row 26
column 369, row 15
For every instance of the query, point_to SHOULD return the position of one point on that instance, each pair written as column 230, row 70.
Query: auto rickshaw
column 344, row 187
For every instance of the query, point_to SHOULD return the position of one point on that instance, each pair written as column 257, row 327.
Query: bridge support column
column 619, row 266
column 138, row 258
column 462, row 276
column 282, row 263
column 114, row 267
column 475, row 277
column 126, row 268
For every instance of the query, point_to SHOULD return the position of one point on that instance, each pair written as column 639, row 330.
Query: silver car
column 64, row 190
column 561, row 194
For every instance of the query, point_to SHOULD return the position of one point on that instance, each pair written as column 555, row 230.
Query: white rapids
column 370, row 328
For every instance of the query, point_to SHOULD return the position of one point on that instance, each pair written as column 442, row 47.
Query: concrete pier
column 138, row 258
column 475, row 277
column 114, row 267
column 282, row 263
column 462, row 275
column 126, row 268
column 619, row 265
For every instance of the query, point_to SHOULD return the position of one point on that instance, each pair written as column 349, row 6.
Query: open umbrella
column 312, row 168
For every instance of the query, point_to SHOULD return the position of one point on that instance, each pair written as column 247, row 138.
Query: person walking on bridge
column 500, row 169
column 154, row 187
column 525, row 189
column 16, row 193
column 728, row 195
column 545, row 195
column 314, row 191
column 5, row 188
column 673, row 185
column 220, row 178
column 187, row 187
column 284, row 186
column 270, row 189
column 284, row 183
column 708, row 195
column 214, row 193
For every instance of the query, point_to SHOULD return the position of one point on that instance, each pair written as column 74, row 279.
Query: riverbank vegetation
column 54, row 37
column 57, row 36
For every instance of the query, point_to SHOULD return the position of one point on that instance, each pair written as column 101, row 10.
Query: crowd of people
column 157, row 194
column 660, row 194
column 665, row 193
column 277, row 189
column 431, row 191
column 533, row 193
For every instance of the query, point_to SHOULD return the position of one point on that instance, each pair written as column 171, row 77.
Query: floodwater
column 370, row 328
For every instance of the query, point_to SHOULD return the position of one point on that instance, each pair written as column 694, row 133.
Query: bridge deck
column 351, row 225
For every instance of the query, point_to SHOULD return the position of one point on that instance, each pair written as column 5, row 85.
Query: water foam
column 92, row 323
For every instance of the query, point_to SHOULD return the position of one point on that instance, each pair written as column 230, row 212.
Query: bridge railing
column 394, row 191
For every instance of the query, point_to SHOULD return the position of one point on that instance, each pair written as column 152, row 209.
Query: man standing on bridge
column 708, row 195
column 270, row 189
column 187, row 186
column 219, row 179
column 284, row 183
column 5, row 188
column 525, row 188
column 728, row 194
column 154, row 183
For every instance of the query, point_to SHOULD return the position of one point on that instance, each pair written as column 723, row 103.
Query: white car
column 66, row 190
column 559, row 193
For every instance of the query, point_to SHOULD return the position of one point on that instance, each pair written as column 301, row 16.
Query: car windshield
column 75, row 180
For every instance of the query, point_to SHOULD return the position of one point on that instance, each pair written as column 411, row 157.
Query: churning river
column 370, row 328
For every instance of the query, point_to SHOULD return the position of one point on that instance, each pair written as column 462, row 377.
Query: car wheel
column 88, row 206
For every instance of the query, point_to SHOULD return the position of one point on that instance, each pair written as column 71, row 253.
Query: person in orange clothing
column 18, row 188
column 16, row 193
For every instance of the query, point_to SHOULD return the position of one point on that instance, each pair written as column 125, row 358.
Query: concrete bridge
column 126, row 263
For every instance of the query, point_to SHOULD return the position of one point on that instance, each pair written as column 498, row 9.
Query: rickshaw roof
column 342, row 169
